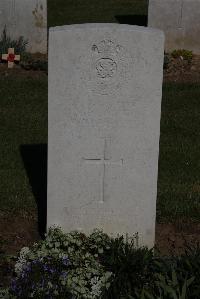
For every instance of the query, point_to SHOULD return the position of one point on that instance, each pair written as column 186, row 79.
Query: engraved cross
column 104, row 161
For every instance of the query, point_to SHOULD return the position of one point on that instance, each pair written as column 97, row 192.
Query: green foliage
column 130, row 266
column 26, row 57
column 169, row 288
column 188, row 265
column 77, row 266
column 5, row 294
column 6, row 42
column 29, row 63
column 36, row 65
column 175, row 277
column 185, row 54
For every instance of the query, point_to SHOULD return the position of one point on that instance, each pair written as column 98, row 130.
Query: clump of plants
column 61, row 266
column 6, row 42
column 77, row 266
column 29, row 63
column 182, row 53
column 26, row 60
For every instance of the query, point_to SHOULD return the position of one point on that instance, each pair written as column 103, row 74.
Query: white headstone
column 27, row 18
column 105, row 84
column 180, row 21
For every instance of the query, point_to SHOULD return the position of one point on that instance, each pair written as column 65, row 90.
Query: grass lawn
column 179, row 162
column 24, row 121
column 23, row 108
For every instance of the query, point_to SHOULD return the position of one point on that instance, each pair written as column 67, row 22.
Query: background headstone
column 180, row 21
column 105, row 83
column 27, row 18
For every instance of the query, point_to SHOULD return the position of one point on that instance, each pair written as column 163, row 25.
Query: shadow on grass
column 140, row 20
column 35, row 161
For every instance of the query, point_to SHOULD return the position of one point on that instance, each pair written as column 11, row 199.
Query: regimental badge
column 106, row 67
column 105, row 53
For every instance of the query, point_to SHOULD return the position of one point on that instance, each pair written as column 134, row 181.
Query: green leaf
column 174, row 278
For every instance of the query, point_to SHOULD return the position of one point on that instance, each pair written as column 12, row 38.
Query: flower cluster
column 22, row 259
column 62, row 266
column 40, row 278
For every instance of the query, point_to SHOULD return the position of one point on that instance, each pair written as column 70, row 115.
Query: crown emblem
column 106, row 48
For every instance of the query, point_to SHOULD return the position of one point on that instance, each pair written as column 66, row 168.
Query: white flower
column 24, row 251
column 21, row 260
column 96, row 283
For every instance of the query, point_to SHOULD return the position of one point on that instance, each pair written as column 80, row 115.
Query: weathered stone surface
column 180, row 20
column 27, row 18
column 104, row 117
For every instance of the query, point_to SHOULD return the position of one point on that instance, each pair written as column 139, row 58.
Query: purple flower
column 46, row 267
column 15, row 288
column 65, row 260
column 13, row 285
column 64, row 274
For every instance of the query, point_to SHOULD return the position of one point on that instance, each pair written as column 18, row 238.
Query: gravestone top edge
column 107, row 25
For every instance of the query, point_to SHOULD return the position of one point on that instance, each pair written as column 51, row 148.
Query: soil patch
column 181, row 70
column 174, row 238
column 19, row 72
column 16, row 231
